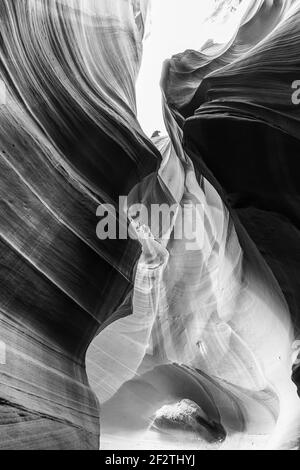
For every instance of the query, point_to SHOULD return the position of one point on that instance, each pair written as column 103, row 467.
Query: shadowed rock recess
column 161, row 335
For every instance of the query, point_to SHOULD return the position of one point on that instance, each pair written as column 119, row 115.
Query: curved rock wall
column 160, row 322
column 69, row 141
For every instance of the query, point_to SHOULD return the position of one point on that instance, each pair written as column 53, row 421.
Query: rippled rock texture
column 69, row 141
column 160, row 319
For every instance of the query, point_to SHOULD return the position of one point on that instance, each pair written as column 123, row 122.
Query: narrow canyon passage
column 170, row 321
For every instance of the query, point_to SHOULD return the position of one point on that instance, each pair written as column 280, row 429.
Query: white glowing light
column 173, row 30
column 2, row 353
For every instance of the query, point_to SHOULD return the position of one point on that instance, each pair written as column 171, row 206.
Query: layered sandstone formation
column 207, row 321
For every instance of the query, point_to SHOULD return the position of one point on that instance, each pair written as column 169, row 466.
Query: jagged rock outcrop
column 185, row 415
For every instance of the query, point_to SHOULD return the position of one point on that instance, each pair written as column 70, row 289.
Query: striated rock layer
column 207, row 321
column 227, row 306
column 69, row 141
